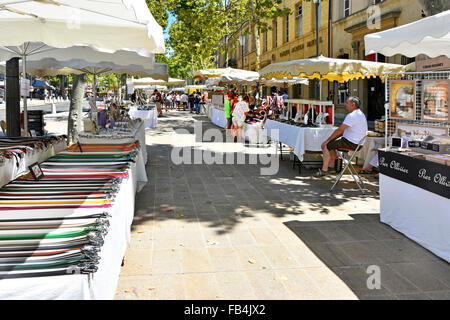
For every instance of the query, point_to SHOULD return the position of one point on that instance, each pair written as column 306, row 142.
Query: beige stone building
column 294, row 37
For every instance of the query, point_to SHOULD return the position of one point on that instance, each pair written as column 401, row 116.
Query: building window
column 286, row 29
column 253, row 42
column 406, row 60
column 275, row 34
column 246, row 44
column 297, row 92
column 299, row 20
column 346, row 8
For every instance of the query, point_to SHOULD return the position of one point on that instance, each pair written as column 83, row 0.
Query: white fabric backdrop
column 150, row 117
column 253, row 133
column 218, row 117
column 421, row 215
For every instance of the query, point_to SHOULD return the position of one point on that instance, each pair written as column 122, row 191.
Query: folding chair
column 347, row 158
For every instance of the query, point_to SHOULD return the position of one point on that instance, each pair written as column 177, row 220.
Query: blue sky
column 172, row 19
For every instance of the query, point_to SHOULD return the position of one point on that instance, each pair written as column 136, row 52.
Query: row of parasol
column 57, row 225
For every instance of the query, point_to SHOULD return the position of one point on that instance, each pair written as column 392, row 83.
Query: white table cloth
column 150, row 117
column 218, row 117
column 102, row 284
column 369, row 150
column 302, row 139
column 421, row 215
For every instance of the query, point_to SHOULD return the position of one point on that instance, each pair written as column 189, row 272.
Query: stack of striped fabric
column 57, row 225
column 19, row 146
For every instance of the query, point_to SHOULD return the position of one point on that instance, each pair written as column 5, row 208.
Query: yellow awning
column 331, row 69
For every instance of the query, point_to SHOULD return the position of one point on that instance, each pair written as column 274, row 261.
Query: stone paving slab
column 226, row 232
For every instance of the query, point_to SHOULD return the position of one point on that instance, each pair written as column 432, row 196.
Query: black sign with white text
column 428, row 175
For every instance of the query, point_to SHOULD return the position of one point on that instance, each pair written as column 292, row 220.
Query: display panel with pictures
column 419, row 132
column 402, row 102
column 435, row 100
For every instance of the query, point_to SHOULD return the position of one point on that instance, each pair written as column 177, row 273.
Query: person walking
column 191, row 102
column 184, row 101
column 228, row 113
column 239, row 114
column 157, row 100
column 197, row 100
column 178, row 100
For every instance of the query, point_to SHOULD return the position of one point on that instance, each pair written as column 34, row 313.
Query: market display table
column 369, row 150
column 150, row 117
column 13, row 167
column 218, row 117
column 136, row 132
column 102, row 284
column 301, row 139
column 415, row 200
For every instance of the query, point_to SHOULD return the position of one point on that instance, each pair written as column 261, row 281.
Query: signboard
column 430, row 176
column 424, row 63
column 24, row 87
column 130, row 87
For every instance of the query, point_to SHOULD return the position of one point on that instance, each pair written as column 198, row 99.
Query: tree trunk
column 76, row 108
column 62, row 88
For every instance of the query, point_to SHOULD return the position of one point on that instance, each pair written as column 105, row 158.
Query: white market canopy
column 278, row 82
column 227, row 76
column 30, row 27
column 157, row 81
column 429, row 36
column 88, row 54
column 52, row 67
column 331, row 69
column 115, row 25
column 150, row 87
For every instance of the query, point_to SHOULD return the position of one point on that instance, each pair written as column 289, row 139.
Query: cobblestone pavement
column 224, row 231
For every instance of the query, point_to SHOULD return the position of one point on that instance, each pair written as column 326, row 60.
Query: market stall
column 84, row 206
column 313, row 121
column 301, row 139
column 415, row 165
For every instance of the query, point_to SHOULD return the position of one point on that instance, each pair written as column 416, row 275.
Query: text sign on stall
column 430, row 176
column 24, row 87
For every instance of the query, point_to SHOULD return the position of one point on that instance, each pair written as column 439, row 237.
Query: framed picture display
column 402, row 100
column 435, row 100
column 36, row 171
column 419, row 132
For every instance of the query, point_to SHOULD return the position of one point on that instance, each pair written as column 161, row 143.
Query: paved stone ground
column 226, row 232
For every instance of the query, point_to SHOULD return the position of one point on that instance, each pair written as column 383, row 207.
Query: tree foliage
column 204, row 27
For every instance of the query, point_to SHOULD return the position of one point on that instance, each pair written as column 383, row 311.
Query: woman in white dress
column 239, row 113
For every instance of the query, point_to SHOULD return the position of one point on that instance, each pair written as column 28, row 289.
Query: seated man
column 347, row 136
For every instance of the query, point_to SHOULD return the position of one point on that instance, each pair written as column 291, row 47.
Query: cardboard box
column 439, row 158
